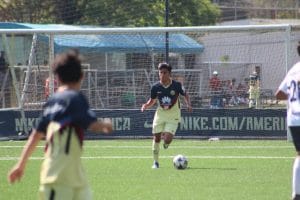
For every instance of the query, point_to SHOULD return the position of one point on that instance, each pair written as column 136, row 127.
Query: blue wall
column 201, row 122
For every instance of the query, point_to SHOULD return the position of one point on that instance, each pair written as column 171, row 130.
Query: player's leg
column 251, row 103
column 57, row 192
column 83, row 193
column 169, row 132
column 257, row 102
column 213, row 101
column 168, row 137
column 155, row 149
column 251, row 97
column 296, row 197
column 295, row 132
column 296, row 178
column 157, row 128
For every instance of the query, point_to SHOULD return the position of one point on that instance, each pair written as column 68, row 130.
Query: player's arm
column 148, row 105
column 188, row 102
column 280, row 95
column 104, row 126
column 186, row 96
column 17, row 171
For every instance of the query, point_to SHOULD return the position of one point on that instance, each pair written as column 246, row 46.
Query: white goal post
column 122, row 61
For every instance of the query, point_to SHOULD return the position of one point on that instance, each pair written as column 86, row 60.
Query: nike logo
column 147, row 124
column 2, row 122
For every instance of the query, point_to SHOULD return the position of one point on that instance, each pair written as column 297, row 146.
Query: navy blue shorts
column 295, row 132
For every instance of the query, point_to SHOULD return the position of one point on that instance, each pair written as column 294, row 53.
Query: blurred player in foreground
column 289, row 90
column 167, row 115
column 65, row 117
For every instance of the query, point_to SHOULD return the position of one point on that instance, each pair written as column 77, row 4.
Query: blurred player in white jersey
column 167, row 116
column 289, row 90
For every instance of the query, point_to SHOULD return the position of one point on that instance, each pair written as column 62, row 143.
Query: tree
column 40, row 11
column 67, row 11
column 151, row 13
column 32, row 11
column 193, row 13
column 129, row 13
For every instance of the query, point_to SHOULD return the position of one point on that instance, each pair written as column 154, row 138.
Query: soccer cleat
column 166, row 146
column 155, row 165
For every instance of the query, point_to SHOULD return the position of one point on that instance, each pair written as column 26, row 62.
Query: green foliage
column 121, row 169
column 33, row 11
column 194, row 13
column 129, row 13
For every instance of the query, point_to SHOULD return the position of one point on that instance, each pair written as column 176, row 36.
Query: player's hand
column 189, row 108
column 107, row 126
column 107, row 129
column 144, row 107
column 15, row 174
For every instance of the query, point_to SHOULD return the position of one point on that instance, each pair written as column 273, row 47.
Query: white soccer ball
column 180, row 162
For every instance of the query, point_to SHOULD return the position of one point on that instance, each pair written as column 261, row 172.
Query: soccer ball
column 180, row 162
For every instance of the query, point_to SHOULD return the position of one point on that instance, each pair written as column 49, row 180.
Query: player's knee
column 168, row 138
column 157, row 138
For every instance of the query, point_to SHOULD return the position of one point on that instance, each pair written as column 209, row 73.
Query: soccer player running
column 289, row 90
column 65, row 116
column 167, row 115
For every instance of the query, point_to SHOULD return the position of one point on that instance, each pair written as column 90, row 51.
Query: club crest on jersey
column 166, row 102
column 172, row 92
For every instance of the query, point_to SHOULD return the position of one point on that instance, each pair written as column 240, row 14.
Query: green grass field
column 121, row 169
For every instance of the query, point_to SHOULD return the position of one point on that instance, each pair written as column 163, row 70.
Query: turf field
column 121, row 169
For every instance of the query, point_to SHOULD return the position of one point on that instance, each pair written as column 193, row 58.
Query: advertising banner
column 199, row 123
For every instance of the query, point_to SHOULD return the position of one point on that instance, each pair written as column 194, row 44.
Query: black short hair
column 67, row 66
column 164, row 66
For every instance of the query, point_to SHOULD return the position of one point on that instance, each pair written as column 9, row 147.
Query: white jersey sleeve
column 291, row 86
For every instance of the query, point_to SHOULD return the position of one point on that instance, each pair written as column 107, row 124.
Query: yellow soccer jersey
column 169, row 115
column 62, row 163
column 65, row 117
column 168, row 100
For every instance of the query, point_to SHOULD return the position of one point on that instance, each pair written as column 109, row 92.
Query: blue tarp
column 130, row 43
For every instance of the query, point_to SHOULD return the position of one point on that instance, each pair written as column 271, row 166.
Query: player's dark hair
column 164, row 66
column 67, row 66
column 298, row 48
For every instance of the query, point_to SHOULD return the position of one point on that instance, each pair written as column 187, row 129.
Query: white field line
column 173, row 147
column 163, row 157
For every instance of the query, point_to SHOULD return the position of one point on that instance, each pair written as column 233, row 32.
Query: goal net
column 120, row 65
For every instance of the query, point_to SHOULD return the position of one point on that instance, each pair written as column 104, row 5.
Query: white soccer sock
column 296, row 176
column 155, row 149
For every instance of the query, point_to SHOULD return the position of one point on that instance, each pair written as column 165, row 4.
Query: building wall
column 264, row 49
